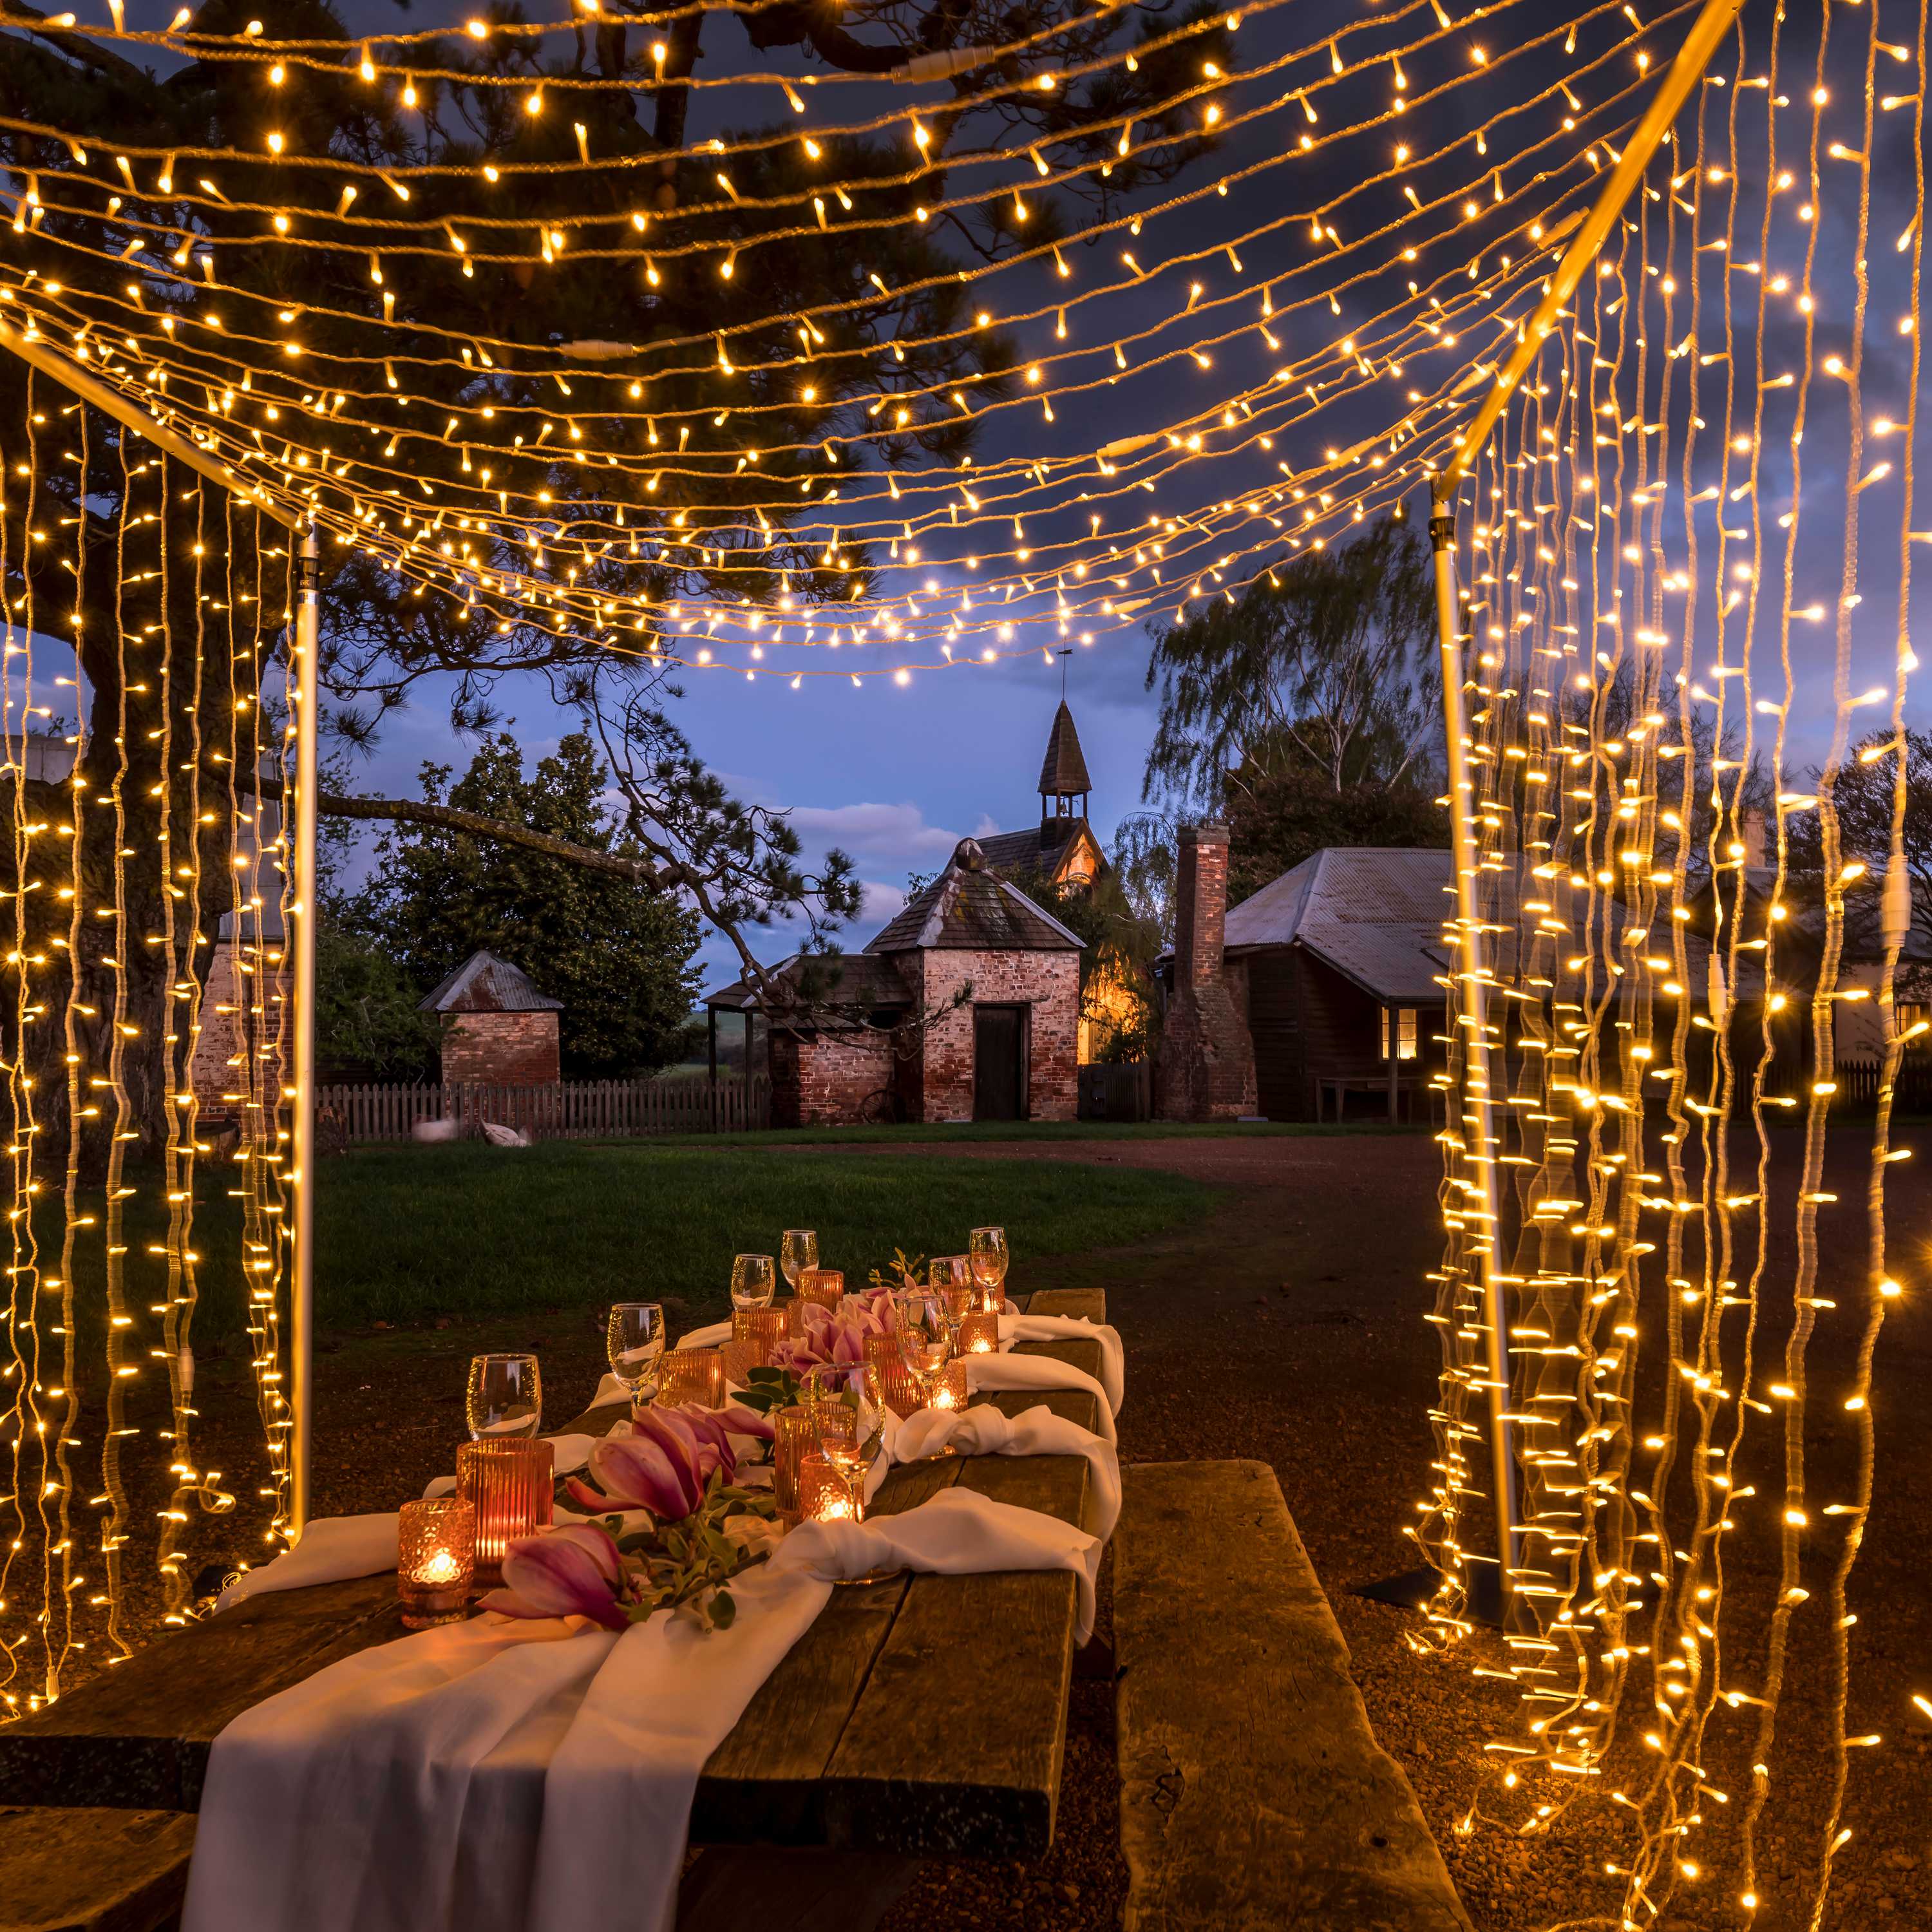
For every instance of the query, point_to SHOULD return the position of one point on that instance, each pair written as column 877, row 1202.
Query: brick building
column 498, row 1030
column 966, row 1006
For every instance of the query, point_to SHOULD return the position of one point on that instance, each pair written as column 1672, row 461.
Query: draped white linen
column 985, row 1430
column 992, row 1375
column 479, row 1777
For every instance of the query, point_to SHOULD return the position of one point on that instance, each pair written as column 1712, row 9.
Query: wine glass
column 986, row 1249
column 504, row 1399
column 846, row 1402
column 925, row 1337
column 797, row 1252
column 950, row 1277
column 635, row 1339
column 754, row 1280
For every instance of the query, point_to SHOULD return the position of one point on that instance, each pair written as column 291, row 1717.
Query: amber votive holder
column 792, row 1441
column 979, row 1335
column 436, row 1561
column 824, row 1495
column 824, row 1286
column 691, row 1375
column 756, row 1333
column 512, row 1485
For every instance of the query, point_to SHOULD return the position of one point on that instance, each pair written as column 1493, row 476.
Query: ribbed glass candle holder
column 512, row 1486
column 691, row 1375
column 791, row 1443
column 825, row 1286
column 755, row 1333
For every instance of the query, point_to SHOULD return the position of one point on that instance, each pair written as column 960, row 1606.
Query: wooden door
column 999, row 1063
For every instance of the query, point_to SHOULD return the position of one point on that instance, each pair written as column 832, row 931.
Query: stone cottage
column 498, row 1030
column 966, row 1006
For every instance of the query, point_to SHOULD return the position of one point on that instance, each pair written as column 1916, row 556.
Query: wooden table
column 924, row 1715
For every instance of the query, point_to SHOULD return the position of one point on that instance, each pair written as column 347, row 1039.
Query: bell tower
column 1064, row 783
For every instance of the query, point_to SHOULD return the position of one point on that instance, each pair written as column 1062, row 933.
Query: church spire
column 1063, row 776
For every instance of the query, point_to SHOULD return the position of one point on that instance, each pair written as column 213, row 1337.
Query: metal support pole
column 1692, row 57
column 304, row 695
column 34, row 349
column 1479, row 1135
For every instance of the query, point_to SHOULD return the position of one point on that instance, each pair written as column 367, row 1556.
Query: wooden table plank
column 138, row 1736
column 944, row 1756
column 1079, row 1304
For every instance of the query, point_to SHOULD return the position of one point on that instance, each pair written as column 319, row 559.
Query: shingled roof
column 968, row 908
column 840, row 980
column 484, row 984
column 1064, row 772
column 1036, row 848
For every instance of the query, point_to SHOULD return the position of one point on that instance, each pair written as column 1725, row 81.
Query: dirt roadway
column 1288, row 1328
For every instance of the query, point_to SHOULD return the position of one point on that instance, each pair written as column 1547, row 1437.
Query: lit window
column 1404, row 1032
column 1906, row 1014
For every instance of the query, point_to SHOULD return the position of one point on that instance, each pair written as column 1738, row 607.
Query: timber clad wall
column 499, row 1049
column 1274, row 1019
column 1047, row 984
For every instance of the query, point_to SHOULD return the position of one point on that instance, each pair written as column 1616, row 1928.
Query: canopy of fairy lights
column 983, row 349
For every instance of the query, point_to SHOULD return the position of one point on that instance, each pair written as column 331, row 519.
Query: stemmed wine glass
column 635, row 1340
column 754, row 1280
column 925, row 1337
column 845, row 1402
column 950, row 1277
column 504, row 1399
column 797, row 1252
column 986, row 1250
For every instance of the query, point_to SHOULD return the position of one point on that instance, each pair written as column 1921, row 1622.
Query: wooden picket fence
column 566, row 1110
column 1858, row 1081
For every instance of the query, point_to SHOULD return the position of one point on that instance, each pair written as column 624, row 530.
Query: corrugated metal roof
column 967, row 907
column 1064, row 772
column 484, row 984
column 1375, row 912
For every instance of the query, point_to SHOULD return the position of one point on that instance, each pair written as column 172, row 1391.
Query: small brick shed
column 498, row 1030
column 967, row 1005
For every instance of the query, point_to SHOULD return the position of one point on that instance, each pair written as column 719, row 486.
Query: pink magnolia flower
column 834, row 1338
column 573, row 1571
column 663, row 1462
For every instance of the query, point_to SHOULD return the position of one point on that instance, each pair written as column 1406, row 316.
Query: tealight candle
column 436, row 1546
column 512, row 1485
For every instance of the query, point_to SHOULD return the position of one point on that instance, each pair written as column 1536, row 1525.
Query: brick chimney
column 1207, row 1069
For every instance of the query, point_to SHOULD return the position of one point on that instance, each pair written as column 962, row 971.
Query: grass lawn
column 410, row 1232
column 1031, row 1130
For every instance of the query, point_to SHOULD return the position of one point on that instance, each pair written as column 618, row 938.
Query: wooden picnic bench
column 1254, row 1797
column 843, row 1749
